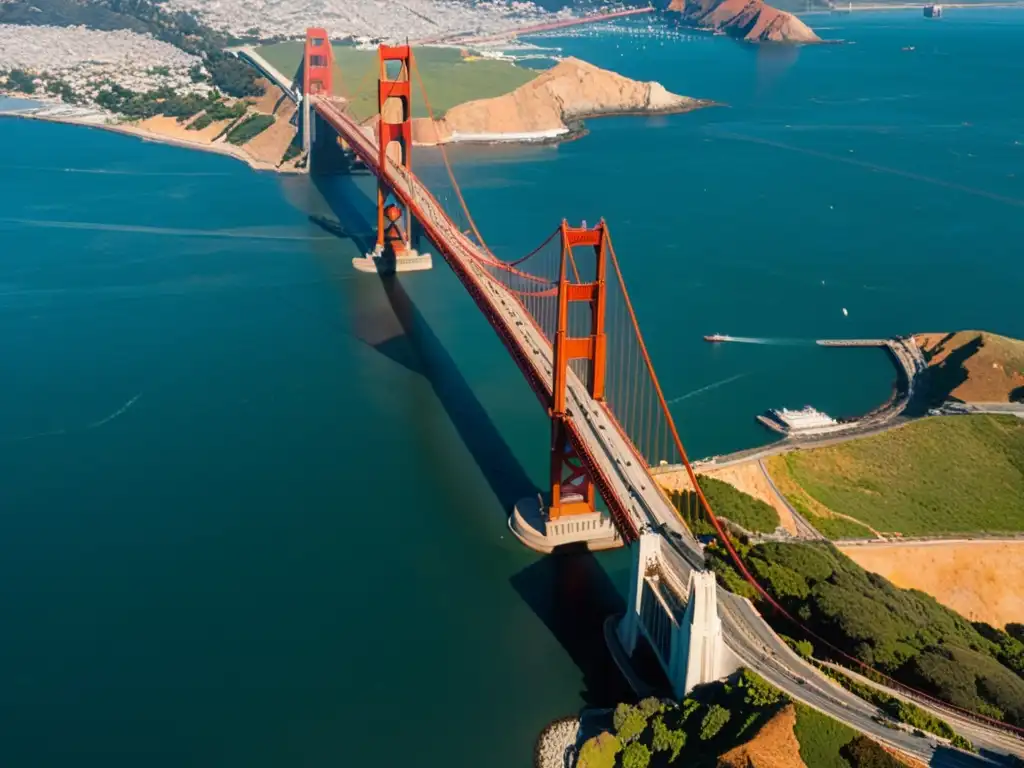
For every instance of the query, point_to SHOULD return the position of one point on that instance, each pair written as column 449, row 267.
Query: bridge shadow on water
column 569, row 591
column 572, row 594
column 413, row 345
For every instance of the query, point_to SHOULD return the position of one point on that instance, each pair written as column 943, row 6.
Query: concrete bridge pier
column 532, row 524
column 675, row 609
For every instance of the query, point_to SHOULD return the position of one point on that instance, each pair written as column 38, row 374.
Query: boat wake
column 115, row 414
column 706, row 388
column 93, row 425
column 109, row 171
column 242, row 234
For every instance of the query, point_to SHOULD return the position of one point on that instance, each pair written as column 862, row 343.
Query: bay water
column 253, row 505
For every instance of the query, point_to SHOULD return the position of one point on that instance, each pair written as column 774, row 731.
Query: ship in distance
column 718, row 337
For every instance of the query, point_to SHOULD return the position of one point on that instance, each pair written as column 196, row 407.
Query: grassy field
column 814, row 512
column 951, row 474
column 821, row 738
column 449, row 79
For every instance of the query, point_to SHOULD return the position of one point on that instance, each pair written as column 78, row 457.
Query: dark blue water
column 252, row 505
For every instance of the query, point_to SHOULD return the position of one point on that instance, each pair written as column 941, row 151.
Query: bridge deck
column 623, row 478
column 282, row 81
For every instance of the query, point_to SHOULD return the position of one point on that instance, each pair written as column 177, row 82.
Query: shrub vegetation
column 903, row 633
column 21, row 81
column 691, row 733
column 862, row 752
column 249, row 128
column 726, row 501
column 821, row 738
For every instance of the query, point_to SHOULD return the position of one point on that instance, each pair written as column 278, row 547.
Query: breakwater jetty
column 906, row 354
column 852, row 342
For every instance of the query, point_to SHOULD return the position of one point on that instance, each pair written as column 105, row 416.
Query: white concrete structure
column 680, row 621
column 378, row 262
column 807, row 419
column 530, row 524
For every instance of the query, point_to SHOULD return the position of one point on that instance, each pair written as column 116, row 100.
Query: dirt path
column 982, row 580
column 788, row 485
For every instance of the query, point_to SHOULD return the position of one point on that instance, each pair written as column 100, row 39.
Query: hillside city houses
column 87, row 60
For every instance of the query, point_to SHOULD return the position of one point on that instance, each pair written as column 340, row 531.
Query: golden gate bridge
column 564, row 314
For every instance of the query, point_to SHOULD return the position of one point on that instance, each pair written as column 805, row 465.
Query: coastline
column 36, row 106
column 223, row 148
column 575, row 127
column 908, row 7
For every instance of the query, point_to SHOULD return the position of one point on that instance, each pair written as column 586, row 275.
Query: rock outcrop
column 751, row 20
column 773, row 746
column 544, row 107
column 973, row 366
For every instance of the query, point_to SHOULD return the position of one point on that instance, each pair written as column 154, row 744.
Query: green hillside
column 902, row 632
column 950, row 474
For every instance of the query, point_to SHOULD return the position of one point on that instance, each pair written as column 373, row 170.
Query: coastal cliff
column 545, row 107
column 752, row 20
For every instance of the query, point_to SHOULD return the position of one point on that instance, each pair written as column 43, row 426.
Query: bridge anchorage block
column 673, row 610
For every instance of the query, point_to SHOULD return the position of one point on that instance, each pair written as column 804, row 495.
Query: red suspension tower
column 572, row 492
column 394, row 138
column 394, row 250
column 317, row 77
column 570, row 514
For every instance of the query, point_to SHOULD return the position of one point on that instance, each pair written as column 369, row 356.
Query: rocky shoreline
column 556, row 745
column 550, row 108
column 753, row 21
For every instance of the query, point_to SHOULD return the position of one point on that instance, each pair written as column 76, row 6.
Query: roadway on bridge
column 625, row 476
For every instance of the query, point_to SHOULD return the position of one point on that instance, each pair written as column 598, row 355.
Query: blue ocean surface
column 253, row 505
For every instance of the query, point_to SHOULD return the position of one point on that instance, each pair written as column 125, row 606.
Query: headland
column 478, row 99
column 753, row 21
column 552, row 106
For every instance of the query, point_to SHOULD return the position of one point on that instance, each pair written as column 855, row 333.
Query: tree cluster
column 20, row 80
column 903, row 633
column 863, row 752
column 657, row 732
column 160, row 101
column 249, row 128
column 62, row 89
column 742, row 509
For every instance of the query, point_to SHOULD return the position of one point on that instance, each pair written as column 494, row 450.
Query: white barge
column 806, row 421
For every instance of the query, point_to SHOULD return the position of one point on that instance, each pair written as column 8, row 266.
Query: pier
column 852, row 342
